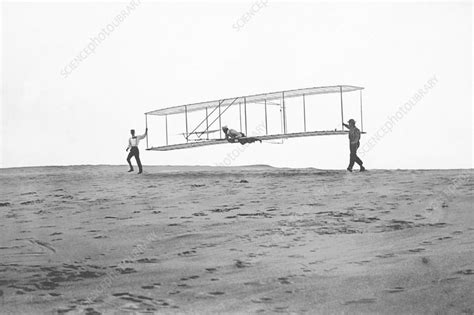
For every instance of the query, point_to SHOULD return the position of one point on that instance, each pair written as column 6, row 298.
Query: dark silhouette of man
column 354, row 137
column 133, row 147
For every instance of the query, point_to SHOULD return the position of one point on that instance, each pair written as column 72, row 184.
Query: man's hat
column 351, row 121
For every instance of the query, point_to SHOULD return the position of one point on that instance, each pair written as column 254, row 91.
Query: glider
column 199, row 134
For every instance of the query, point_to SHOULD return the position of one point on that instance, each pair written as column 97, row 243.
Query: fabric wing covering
column 254, row 99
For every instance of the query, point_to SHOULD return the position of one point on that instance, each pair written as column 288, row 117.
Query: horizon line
column 230, row 166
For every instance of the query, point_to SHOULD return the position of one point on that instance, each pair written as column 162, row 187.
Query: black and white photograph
column 236, row 157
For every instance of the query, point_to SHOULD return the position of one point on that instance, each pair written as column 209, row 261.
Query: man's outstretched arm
column 143, row 135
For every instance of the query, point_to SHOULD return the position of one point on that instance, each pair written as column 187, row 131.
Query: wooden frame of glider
column 222, row 105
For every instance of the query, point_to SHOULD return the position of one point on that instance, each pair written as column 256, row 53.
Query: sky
column 414, row 60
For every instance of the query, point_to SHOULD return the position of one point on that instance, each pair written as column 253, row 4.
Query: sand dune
column 96, row 239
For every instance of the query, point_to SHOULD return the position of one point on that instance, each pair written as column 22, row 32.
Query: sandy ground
column 90, row 240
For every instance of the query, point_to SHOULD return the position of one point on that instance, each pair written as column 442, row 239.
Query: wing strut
column 146, row 126
column 220, row 114
column 361, row 121
column 206, row 119
column 304, row 112
column 342, row 109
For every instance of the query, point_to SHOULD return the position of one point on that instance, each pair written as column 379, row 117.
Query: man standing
column 133, row 146
column 354, row 137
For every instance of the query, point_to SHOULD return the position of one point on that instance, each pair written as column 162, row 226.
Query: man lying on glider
column 234, row 136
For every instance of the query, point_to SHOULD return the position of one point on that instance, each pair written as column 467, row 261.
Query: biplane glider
column 274, row 109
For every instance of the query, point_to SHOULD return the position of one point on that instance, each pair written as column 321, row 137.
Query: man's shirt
column 234, row 133
column 133, row 141
column 354, row 134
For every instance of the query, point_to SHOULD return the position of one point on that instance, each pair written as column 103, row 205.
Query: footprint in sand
column 439, row 224
column 216, row 293
column 241, row 264
column 188, row 253
column 280, row 309
column 465, row 272
column 126, row 270
column 54, row 294
column 262, row 300
column 296, row 256
column 395, row 290
column 442, row 238
column 316, row 262
column 66, row 310
column 361, row 262
column 284, row 280
column 361, row 301
column 224, row 209
column 31, row 202
column 198, row 185
column 137, row 302
column 109, row 217
column 187, row 278
column 91, row 311
column 147, row 260
column 416, row 250
column 388, row 255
